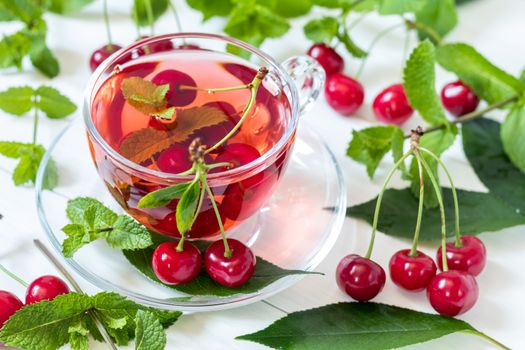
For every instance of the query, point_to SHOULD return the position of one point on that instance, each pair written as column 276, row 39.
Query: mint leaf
column 419, row 84
column 128, row 234
column 77, row 236
column 66, row 7
column 13, row 48
column 366, row 326
column 17, row 100
column 147, row 97
column 11, row 149
column 45, row 61
column 163, row 196
column 149, row 334
column 77, row 207
column 210, row 9
column 369, row 146
column 27, row 11
column 292, row 8
column 399, row 7
column 78, row 336
column 512, row 131
column 350, row 45
column 53, row 103
column 140, row 11
column 322, row 30
column 489, row 82
column 440, row 15
column 186, row 208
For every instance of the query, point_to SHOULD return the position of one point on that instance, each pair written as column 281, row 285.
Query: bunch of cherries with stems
column 43, row 288
column 450, row 292
column 229, row 262
column 345, row 94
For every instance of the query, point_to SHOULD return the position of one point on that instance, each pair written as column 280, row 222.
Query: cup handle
column 309, row 78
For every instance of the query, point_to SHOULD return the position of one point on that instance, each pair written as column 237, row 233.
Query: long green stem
column 218, row 165
column 227, row 251
column 372, row 45
column 13, row 276
column 108, row 29
column 427, row 29
column 176, row 16
column 454, row 195
column 151, row 20
column 413, row 251
column 231, row 88
column 437, row 189
column 136, row 21
column 486, row 337
column 378, row 203
column 35, row 125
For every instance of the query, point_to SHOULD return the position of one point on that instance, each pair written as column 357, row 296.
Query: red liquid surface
column 237, row 198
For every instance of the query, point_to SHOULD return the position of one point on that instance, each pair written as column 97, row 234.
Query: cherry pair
column 175, row 265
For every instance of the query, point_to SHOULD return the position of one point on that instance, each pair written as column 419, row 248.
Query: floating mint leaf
column 439, row 15
column 366, row 326
column 53, row 103
column 149, row 334
column 161, row 197
column 147, row 97
column 17, row 100
column 322, row 30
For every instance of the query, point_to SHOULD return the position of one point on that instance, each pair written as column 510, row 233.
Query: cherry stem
column 454, row 195
column 378, row 203
column 227, row 251
column 108, row 30
column 413, row 251
column 232, row 88
column 217, row 165
column 149, row 11
column 177, row 18
column 13, row 276
column 374, row 42
column 423, row 27
column 35, row 123
column 437, row 190
column 486, row 337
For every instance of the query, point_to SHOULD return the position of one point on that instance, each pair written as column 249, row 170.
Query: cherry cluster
column 43, row 288
column 391, row 106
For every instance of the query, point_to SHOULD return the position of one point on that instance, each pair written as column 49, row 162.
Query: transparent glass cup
column 241, row 191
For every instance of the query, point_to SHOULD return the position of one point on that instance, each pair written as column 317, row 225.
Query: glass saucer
column 293, row 231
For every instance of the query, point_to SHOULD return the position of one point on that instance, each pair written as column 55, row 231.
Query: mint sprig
column 91, row 220
column 48, row 325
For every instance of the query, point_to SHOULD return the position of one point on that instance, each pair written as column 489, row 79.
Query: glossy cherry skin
column 344, row 94
column 237, row 154
column 452, row 293
column 175, row 159
column 470, row 257
column 233, row 271
column 359, row 277
column 101, row 54
column 327, row 57
column 391, row 105
column 9, row 304
column 458, row 99
column 174, row 267
column 412, row 273
column 45, row 288
column 175, row 78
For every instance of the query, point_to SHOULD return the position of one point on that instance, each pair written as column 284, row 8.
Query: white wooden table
column 495, row 27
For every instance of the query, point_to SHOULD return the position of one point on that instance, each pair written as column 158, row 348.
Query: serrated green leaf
column 13, row 48
column 512, row 131
column 350, row 45
column 77, row 237
column 149, row 334
column 142, row 16
column 210, row 9
column 369, row 146
column 128, row 234
column 399, row 7
column 53, row 103
column 66, row 7
column 439, row 15
column 186, row 208
column 366, row 326
column 45, row 61
column 489, row 82
column 30, row 159
column 76, row 208
column 163, row 196
column 322, row 30
column 292, row 8
column 17, row 100
column 11, row 149
column 419, row 84
column 27, row 11
column 78, row 336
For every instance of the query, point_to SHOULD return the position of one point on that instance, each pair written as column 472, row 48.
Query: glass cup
column 239, row 192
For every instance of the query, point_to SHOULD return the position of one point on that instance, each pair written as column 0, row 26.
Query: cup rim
column 135, row 168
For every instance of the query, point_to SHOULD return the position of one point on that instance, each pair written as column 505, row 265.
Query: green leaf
column 351, row 46
column 30, row 158
column 28, row 11
column 77, row 207
column 45, row 61
column 11, row 149
column 147, row 97
column 17, row 100
column 5, row 14
column 13, row 49
column 292, row 8
column 141, row 8
column 78, row 336
column 512, row 131
column 67, row 7
column 419, row 84
column 77, row 237
column 265, row 274
column 129, row 234
column 369, row 146
column 399, row 7
column 366, row 326
column 440, row 15
column 489, row 82
column 53, row 103
column 484, row 150
column 186, row 208
column 210, row 9
column 163, row 196
column 149, row 332
column 322, row 30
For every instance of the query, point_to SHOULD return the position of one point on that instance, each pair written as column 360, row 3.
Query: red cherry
column 391, row 105
column 175, row 159
column 176, row 96
column 101, row 54
column 45, row 288
column 233, row 271
column 344, row 94
column 458, row 99
column 470, row 257
column 412, row 273
column 359, row 277
column 174, row 267
column 9, row 304
column 237, row 154
column 452, row 293
column 160, row 46
column 327, row 57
